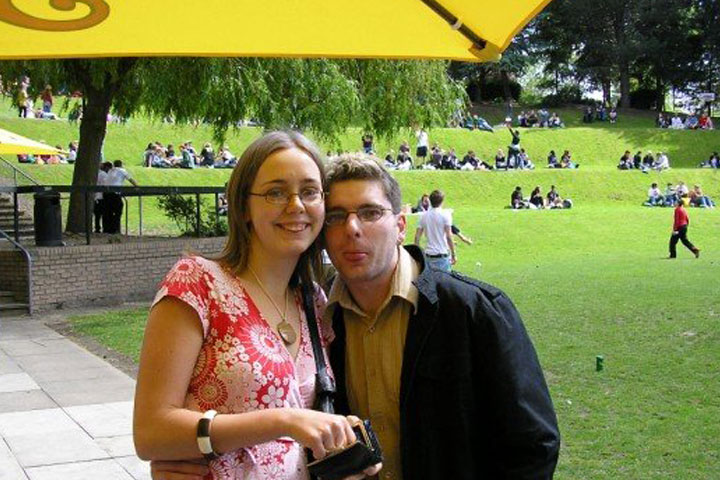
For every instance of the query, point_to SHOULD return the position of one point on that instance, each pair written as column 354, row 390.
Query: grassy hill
column 588, row 281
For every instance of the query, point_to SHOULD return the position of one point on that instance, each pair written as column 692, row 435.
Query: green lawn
column 588, row 281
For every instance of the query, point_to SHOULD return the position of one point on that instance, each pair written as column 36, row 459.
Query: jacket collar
column 427, row 280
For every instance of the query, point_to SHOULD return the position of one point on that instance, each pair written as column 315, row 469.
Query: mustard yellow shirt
column 374, row 353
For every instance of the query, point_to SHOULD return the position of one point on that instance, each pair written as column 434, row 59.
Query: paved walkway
column 65, row 414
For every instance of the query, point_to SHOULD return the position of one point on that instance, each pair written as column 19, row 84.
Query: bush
column 567, row 94
column 642, row 98
column 182, row 210
column 491, row 88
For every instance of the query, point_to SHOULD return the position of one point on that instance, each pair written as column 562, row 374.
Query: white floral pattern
column 243, row 366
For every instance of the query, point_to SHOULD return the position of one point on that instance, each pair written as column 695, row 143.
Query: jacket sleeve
column 521, row 412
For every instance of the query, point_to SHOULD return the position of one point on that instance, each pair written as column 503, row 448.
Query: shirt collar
column 401, row 286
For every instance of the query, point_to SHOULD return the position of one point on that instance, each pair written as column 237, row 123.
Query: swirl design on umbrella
column 99, row 11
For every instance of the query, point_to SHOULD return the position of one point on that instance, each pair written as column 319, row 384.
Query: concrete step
column 9, row 224
column 4, row 294
column 23, row 234
column 8, row 212
column 14, row 309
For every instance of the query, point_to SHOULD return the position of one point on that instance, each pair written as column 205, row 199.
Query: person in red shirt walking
column 680, row 227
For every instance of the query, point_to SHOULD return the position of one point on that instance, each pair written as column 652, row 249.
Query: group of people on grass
column 644, row 163
column 600, row 113
column 536, row 200
column 692, row 121
column 51, row 159
column 157, row 155
column 690, row 197
column 541, row 119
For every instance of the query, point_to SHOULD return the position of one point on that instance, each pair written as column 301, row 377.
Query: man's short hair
column 117, row 163
column 436, row 198
column 357, row 166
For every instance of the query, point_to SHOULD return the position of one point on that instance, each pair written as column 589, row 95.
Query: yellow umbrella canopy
column 14, row 144
column 477, row 30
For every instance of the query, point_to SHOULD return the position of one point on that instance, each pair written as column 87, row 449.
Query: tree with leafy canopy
column 323, row 96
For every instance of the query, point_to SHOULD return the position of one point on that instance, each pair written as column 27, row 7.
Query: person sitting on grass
column 449, row 160
column 536, row 198
column 655, row 198
column 553, row 160
column 699, row 199
column 469, row 161
column 517, row 201
column 500, row 160
column 186, row 160
column 389, row 160
column 613, row 115
column 404, row 162
column 691, row 122
column 158, row 159
column 670, row 195
column 676, row 123
column 566, row 160
column 207, row 155
column 648, row 160
column 555, row 121
column 712, row 162
column 554, row 200
column 626, row 162
column 683, row 191
column 662, row 162
column 524, row 161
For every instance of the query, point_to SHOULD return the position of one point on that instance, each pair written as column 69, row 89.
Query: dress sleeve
column 187, row 281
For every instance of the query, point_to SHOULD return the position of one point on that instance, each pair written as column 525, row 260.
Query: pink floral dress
column 244, row 366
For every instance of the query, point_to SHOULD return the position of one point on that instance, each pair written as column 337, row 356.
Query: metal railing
column 28, row 261
column 88, row 195
column 16, row 171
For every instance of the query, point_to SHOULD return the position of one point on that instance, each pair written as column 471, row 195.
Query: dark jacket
column 473, row 400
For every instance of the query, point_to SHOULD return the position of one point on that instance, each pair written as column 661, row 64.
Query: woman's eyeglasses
column 368, row 214
column 279, row 196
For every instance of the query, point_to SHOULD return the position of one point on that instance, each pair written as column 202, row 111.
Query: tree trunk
column 659, row 95
column 93, row 126
column 606, row 89
column 624, row 85
column 506, row 86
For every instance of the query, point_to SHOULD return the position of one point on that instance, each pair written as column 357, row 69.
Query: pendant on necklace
column 286, row 332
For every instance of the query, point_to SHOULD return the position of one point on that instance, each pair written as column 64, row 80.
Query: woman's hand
column 318, row 431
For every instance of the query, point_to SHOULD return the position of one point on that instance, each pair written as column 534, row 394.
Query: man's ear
column 402, row 228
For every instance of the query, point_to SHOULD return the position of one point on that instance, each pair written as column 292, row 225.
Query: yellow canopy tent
column 477, row 30
column 14, row 144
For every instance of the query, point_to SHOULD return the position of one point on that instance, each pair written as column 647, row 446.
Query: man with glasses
column 440, row 363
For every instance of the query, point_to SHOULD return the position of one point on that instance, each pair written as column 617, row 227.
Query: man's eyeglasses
column 367, row 214
column 279, row 196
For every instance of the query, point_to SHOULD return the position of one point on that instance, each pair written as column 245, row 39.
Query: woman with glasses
column 227, row 369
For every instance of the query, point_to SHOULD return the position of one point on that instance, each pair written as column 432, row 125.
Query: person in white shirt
column 676, row 123
column 99, row 207
column 662, row 162
column 113, row 207
column 655, row 198
column 422, row 145
column 682, row 190
column 437, row 225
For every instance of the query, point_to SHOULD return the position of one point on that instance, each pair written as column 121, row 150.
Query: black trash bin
column 48, row 221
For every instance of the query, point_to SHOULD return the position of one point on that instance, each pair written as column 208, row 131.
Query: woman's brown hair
column 236, row 252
